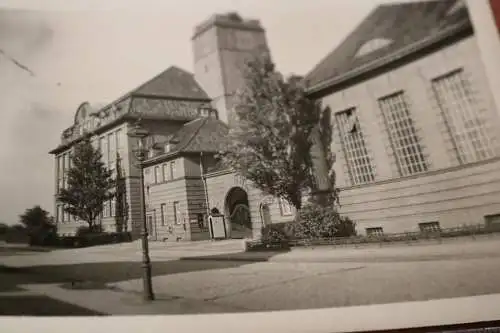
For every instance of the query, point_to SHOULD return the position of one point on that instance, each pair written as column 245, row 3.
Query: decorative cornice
column 174, row 98
column 218, row 173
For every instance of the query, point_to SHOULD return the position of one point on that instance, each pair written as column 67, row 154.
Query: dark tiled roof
column 405, row 24
column 208, row 135
column 173, row 82
column 172, row 109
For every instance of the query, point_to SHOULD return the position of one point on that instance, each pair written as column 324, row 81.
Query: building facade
column 417, row 127
column 176, row 205
column 416, row 121
column 164, row 104
column 169, row 105
column 415, row 115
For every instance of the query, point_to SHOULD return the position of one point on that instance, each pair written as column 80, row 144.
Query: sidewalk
column 439, row 312
column 111, row 302
column 232, row 250
column 459, row 249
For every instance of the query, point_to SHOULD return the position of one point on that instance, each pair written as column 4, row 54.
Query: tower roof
column 228, row 20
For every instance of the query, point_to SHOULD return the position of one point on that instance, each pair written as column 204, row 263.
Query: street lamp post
column 139, row 134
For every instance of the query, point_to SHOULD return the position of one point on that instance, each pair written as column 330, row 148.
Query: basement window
column 429, row 227
column 492, row 219
column 374, row 231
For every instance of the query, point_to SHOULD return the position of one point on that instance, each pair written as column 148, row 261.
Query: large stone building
column 416, row 126
column 176, row 107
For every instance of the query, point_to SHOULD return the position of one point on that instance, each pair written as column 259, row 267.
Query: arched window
column 373, row 45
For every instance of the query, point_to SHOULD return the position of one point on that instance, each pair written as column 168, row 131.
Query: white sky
column 98, row 50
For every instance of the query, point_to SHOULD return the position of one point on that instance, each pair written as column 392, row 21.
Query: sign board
column 217, row 226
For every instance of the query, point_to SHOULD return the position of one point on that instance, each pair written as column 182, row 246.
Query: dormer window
column 168, row 147
column 204, row 111
column 372, row 46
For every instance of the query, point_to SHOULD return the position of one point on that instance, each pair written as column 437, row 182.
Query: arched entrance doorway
column 238, row 213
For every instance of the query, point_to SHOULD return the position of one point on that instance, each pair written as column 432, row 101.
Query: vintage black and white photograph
column 250, row 165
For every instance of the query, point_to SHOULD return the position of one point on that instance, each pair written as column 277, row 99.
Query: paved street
column 107, row 279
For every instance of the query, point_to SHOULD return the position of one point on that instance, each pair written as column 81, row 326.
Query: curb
column 225, row 258
column 275, row 257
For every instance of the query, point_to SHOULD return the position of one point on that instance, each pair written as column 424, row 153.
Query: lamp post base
column 148, row 287
column 146, row 269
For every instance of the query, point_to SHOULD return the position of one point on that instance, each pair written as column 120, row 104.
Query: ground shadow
column 41, row 306
column 12, row 249
column 110, row 272
column 261, row 256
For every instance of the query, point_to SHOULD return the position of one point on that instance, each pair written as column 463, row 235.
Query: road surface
column 236, row 286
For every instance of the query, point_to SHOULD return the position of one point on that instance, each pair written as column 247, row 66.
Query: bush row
column 319, row 225
column 281, row 235
column 83, row 238
column 314, row 222
column 14, row 237
column 94, row 239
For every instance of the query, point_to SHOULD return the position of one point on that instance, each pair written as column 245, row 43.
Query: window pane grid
column 403, row 134
column 374, row 231
column 467, row 129
column 162, row 212
column 356, row 154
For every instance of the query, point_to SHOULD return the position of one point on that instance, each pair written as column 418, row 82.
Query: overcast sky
column 98, row 50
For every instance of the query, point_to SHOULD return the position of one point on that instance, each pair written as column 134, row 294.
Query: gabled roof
column 207, row 135
column 405, row 25
column 211, row 136
column 173, row 82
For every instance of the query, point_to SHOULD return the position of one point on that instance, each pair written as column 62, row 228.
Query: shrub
column 264, row 246
column 85, row 230
column 278, row 232
column 317, row 221
column 44, row 237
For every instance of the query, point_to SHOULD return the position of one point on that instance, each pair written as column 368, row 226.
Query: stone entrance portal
column 238, row 213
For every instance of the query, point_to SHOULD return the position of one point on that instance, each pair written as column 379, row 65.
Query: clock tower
column 221, row 45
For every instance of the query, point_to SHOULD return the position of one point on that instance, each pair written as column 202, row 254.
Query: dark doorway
column 238, row 213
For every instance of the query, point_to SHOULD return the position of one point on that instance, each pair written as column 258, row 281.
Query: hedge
column 86, row 240
column 280, row 236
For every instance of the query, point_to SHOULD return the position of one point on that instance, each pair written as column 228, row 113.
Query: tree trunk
column 296, row 219
column 322, row 190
